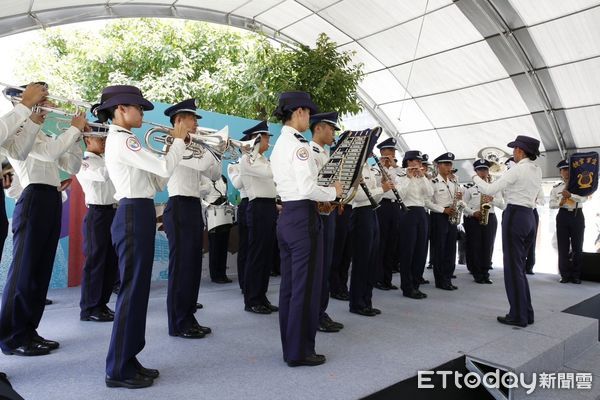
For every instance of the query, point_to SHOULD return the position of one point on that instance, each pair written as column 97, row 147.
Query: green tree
column 226, row 70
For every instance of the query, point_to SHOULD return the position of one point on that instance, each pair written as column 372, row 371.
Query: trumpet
column 61, row 105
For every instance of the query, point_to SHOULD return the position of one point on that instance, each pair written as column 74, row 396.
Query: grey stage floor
column 242, row 358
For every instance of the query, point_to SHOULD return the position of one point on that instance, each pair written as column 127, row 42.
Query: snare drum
column 219, row 217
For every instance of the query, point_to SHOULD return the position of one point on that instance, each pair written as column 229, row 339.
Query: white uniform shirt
column 391, row 172
column 257, row 177
column 18, row 145
column 414, row 192
column 135, row 171
column 472, row 199
column 521, row 184
column 233, row 170
column 556, row 195
column 372, row 180
column 443, row 194
column 11, row 121
column 47, row 155
column 187, row 177
column 321, row 155
column 295, row 170
column 94, row 180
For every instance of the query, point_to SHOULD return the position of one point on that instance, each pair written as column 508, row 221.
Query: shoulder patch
column 300, row 138
column 302, row 154
column 133, row 143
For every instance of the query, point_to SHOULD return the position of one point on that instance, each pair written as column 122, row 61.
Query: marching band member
column 342, row 255
column 261, row 222
column 137, row 175
column 323, row 127
column 364, row 229
column 446, row 192
column 233, row 171
column 425, row 163
column 218, row 238
column 415, row 189
column 530, row 260
column 185, row 229
column 299, row 230
column 388, row 216
column 36, row 231
column 480, row 237
column 521, row 185
column 100, row 268
column 570, row 227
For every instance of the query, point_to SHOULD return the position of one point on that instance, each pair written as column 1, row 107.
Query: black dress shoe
column 444, row 287
column 488, row 281
column 367, row 312
column 271, row 307
column 529, row 272
column 334, row 323
column 453, row 287
column 412, row 295
column 377, row 311
column 259, row 309
column 199, row 306
column 507, row 321
column 393, row 287
column 423, row 295
column 381, row 286
column 423, row 281
column 204, row 329
column 310, row 361
column 51, row 344
column 453, row 276
column 48, row 302
column 149, row 372
column 137, row 382
column 326, row 326
column 565, row 280
column 576, row 281
column 530, row 321
column 222, row 280
column 107, row 310
column 341, row 296
column 28, row 350
column 480, row 281
column 191, row 334
column 98, row 316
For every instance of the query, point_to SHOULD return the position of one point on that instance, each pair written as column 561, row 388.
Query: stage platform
column 242, row 358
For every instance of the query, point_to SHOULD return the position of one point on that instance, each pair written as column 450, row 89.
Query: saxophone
column 484, row 209
column 457, row 205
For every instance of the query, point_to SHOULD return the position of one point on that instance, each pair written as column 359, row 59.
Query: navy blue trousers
column 518, row 235
column 3, row 222
column 261, row 219
column 300, row 246
column 480, row 245
column 413, row 247
column 218, row 244
column 342, row 252
column 100, row 269
column 388, row 215
column 243, row 240
column 443, row 238
column 133, row 233
column 364, row 229
column 36, row 230
column 570, row 226
column 530, row 261
column 184, row 228
column 328, row 222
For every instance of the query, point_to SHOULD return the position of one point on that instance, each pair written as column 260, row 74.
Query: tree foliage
column 227, row 71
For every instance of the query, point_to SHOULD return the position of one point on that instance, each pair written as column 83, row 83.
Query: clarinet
column 387, row 178
column 374, row 204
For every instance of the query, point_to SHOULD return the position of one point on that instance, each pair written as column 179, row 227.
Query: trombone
column 63, row 106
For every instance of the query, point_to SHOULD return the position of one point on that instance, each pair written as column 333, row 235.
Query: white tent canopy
column 441, row 75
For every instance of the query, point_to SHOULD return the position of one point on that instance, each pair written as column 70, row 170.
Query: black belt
column 263, row 199
column 389, row 200
column 570, row 209
column 103, row 206
column 414, row 207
